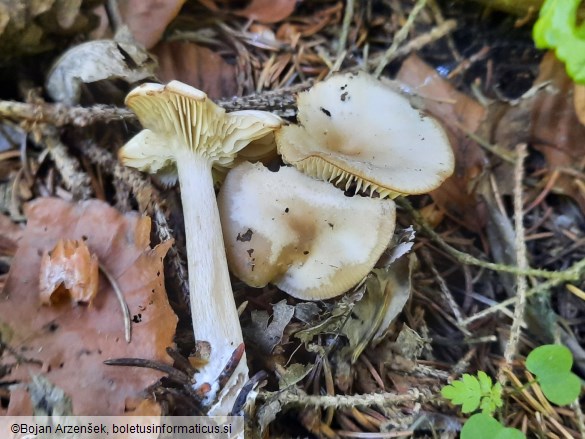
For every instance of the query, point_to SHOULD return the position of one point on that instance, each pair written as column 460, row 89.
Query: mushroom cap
column 178, row 117
column 353, row 127
column 301, row 234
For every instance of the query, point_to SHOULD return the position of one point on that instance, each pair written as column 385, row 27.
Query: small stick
column 349, row 7
column 74, row 178
column 384, row 399
column 571, row 274
column 577, row 270
column 399, row 37
column 521, row 260
column 173, row 374
column 122, row 301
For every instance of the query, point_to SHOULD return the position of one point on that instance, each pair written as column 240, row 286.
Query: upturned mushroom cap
column 353, row 128
column 178, row 117
column 301, row 234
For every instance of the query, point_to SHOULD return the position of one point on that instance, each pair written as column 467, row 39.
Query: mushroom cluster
column 305, row 236
column 287, row 228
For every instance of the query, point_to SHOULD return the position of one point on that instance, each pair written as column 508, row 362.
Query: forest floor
column 495, row 265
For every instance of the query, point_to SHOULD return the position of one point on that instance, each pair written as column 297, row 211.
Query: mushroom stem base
column 213, row 309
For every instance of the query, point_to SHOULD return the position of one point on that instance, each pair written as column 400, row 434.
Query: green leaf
column 549, row 359
column 481, row 426
column 492, row 401
column 465, row 392
column 496, row 395
column 552, row 366
column 562, row 388
column 510, row 433
column 556, row 28
column 485, row 382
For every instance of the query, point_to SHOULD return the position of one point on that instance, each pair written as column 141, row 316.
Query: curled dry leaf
column 197, row 66
column 460, row 115
column 96, row 61
column 67, row 345
column 387, row 291
column 148, row 19
column 267, row 335
column 68, row 270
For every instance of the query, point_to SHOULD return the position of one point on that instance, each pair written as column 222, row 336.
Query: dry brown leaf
column 71, row 343
column 555, row 128
column 459, row 114
column 579, row 101
column 264, row 11
column 268, row 11
column 197, row 66
column 69, row 270
column 148, row 19
column 10, row 235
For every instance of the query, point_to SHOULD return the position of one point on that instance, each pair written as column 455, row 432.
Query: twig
column 349, row 7
column 172, row 373
column 446, row 293
column 465, row 258
column 399, row 37
column 419, row 42
column 521, row 260
column 577, row 270
column 579, row 417
column 440, row 19
column 299, row 398
column 60, row 115
column 74, row 178
column 122, row 301
column 281, row 102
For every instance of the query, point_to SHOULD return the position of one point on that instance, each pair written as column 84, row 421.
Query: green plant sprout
column 558, row 28
column 472, row 393
column 550, row 364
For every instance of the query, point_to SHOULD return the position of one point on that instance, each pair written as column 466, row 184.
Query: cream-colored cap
column 354, row 128
column 303, row 235
column 177, row 117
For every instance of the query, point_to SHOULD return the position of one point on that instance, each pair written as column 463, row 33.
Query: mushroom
column 354, row 128
column 186, row 130
column 301, row 234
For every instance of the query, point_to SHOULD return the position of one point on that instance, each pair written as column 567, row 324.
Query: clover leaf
column 551, row 364
column 482, row 426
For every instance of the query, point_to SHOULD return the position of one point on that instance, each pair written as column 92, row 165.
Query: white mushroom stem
column 186, row 130
column 213, row 309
